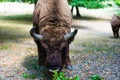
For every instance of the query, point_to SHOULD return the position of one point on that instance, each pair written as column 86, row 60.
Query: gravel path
column 22, row 57
column 105, row 64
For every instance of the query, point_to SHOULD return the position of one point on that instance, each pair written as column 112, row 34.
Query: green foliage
column 94, row 4
column 61, row 76
column 117, row 2
column 28, row 1
column 28, row 76
column 4, row 47
column 9, row 0
column 96, row 77
column 87, row 3
column 1, row 0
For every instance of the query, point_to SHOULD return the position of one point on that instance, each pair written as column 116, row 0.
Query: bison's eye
column 64, row 50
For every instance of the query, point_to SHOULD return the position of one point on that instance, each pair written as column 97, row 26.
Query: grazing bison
column 115, row 23
column 51, row 32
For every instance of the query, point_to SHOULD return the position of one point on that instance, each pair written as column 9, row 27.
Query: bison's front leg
column 41, row 56
column 33, row 32
column 67, row 59
column 115, row 31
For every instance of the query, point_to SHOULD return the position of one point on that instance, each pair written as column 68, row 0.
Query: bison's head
column 55, row 42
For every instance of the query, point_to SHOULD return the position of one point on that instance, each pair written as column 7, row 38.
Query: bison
column 115, row 23
column 52, row 22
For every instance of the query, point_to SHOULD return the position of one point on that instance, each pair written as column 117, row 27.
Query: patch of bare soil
column 22, row 56
column 94, row 51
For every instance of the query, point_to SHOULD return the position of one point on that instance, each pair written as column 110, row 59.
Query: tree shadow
column 30, row 62
column 11, row 34
column 18, row 18
column 112, row 37
column 12, row 27
column 80, row 27
column 89, row 18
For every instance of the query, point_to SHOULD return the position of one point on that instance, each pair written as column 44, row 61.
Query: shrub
column 96, row 77
column 28, row 76
column 117, row 2
column 87, row 4
column 61, row 76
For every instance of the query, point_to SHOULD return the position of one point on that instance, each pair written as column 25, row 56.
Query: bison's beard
column 54, row 60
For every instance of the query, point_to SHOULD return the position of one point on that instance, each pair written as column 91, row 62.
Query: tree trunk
column 35, row 2
column 77, row 11
column 72, row 9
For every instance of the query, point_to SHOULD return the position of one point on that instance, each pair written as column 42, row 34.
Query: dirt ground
column 93, row 52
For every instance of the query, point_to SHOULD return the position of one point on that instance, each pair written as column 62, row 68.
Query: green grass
column 30, row 62
column 14, row 29
column 0, row 78
column 74, row 51
column 29, row 76
column 4, row 47
column 102, row 45
column 18, row 18
column 96, row 77
column 61, row 76
column 12, row 33
column 15, row 40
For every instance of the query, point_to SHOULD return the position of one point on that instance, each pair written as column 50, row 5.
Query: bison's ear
column 34, row 35
column 70, row 36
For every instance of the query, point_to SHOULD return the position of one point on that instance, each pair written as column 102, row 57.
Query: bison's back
column 115, row 21
column 52, row 12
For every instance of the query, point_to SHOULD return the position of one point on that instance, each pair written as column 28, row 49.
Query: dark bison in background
column 52, row 21
column 115, row 23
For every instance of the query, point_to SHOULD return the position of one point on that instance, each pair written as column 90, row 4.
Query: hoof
column 69, row 67
column 41, row 67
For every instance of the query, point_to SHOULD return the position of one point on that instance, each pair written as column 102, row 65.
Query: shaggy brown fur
column 52, row 12
column 115, row 23
column 52, row 19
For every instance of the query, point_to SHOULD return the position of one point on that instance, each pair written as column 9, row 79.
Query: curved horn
column 34, row 35
column 70, row 35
